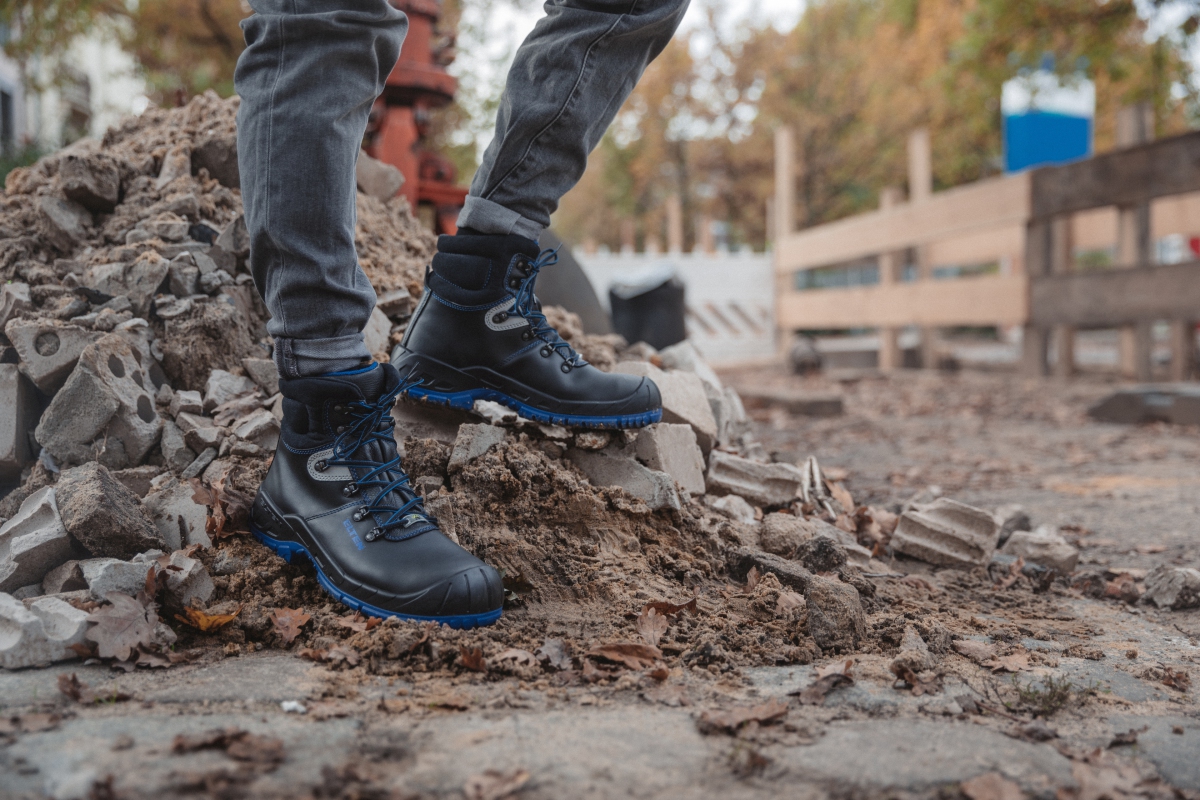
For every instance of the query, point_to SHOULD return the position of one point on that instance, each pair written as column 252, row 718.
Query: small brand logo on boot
column 358, row 542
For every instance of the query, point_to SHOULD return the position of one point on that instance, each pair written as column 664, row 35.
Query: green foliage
column 21, row 157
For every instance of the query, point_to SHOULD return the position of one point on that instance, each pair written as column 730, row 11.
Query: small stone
column 495, row 413
column 102, row 515
column 821, row 554
column 180, row 520
column 93, row 181
column 226, row 563
column 211, row 283
column 397, row 303
column 377, row 178
column 1011, row 518
column 138, row 480
column 614, row 468
column 98, row 575
column 592, row 440
column 139, row 281
column 790, row 574
column 1046, row 547
column 672, row 449
column 189, row 582
column 761, row 484
column 176, row 163
column 217, row 153
column 66, row 224
column 199, row 433
column 186, row 401
column 199, row 465
column 263, row 372
column 40, row 634
column 947, row 533
column 18, row 415
column 14, row 301
column 472, row 442
column 224, row 386
column 377, row 334
column 175, row 451
column 259, row 427
column 914, row 654
column 235, row 238
column 733, row 507
column 182, row 277
column 33, row 542
column 167, row 227
column 835, row 614
column 1175, row 588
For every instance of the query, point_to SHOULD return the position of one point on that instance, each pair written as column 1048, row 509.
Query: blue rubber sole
column 466, row 401
column 288, row 550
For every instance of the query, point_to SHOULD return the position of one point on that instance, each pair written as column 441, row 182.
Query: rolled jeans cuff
column 488, row 217
column 304, row 358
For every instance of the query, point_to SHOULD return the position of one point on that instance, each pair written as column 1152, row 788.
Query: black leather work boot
column 479, row 334
column 336, row 494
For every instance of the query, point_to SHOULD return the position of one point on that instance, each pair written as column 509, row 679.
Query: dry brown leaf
column 120, row 627
column 1176, row 678
column 355, row 622
column 237, row 743
column 730, row 721
column 991, row 786
column 1013, row 662
column 206, row 623
column 493, row 784
column 752, row 579
column 668, row 609
column 919, row 684
column 629, row 654
column 472, row 658
column 651, row 626
column 842, row 495
column 836, row 668
column 829, row 677
column 974, row 650
column 80, row 692
column 288, row 622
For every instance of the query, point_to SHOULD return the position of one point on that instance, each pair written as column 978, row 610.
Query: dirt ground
column 1034, row 690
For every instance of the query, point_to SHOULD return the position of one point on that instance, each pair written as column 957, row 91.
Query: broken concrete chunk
column 181, row 277
column 1011, row 518
column 947, row 533
column 672, row 449
column 684, row 356
column 187, row 579
column 105, row 411
column 684, row 399
column 199, row 433
column 211, row 283
column 93, row 181
column 761, row 484
column 592, row 440
column 217, row 153
column 235, row 239
column 835, row 615
column 138, row 480
column 1045, row 546
column 65, row 223
column 98, row 575
column 396, row 303
column 1174, row 403
column 224, row 386
column 40, row 634
column 377, row 334
column 48, row 349
column 18, row 415
column 263, row 372
column 176, row 163
column 201, row 463
column 614, row 468
column 139, row 281
column 259, row 427
column 790, row 573
column 914, row 655
column 734, row 507
column 186, row 401
column 33, row 542
column 14, row 301
column 175, row 451
column 104, row 516
column 376, row 178
column 1175, row 588
column 495, row 413
column 472, row 442
column 177, row 516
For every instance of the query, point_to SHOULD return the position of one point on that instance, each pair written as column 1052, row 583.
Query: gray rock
column 821, row 554
column 189, row 581
column 182, row 276
column 175, row 451
column 197, row 467
column 179, row 518
column 495, row 413
column 835, row 615
column 226, row 563
column 592, row 440
column 199, row 433
column 48, row 349
column 18, row 415
column 186, row 401
column 98, row 575
column 93, row 181
column 1011, row 518
column 263, row 372
column 1176, row 403
column 139, row 281
column 104, row 516
column 25, row 592
column 259, row 427
column 377, row 334
column 217, row 153
column 1045, row 546
column 472, row 442
column 812, row 540
column 212, row 282
column 167, row 226
column 138, row 480
column 376, row 178
column 734, row 507
column 672, row 449
column 397, row 303
column 33, row 542
column 790, row 574
column 613, row 467
column 1173, row 587
column 224, row 386
column 14, row 300
column 106, row 409
column 761, row 484
column 235, row 239
column 176, row 163
column 40, row 634
column 421, row 421
column 914, row 654
column 684, row 399
column 66, row 224
column 947, row 533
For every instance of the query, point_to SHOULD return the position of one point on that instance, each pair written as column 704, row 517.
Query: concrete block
column 199, row 433
column 217, row 153
column 186, row 401
column 235, row 238
column 732, row 506
column 684, row 399
column 376, row 336
column 176, row 163
column 672, row 449
column 65, row 224
column 179, row 519
column 182, row 276
column 98, row 575
column 18, row 415
column 48, row 349
column 14, row 301
column 1174, row 403
column 947, row 533
column 376, row 178
column 835, row 614
column 139, row 280
column 684, row 356
column 91, row 180
column 33, row 542
column 40, row 634
column 175, row 451
column 1044, row 546
column 472, row 442
column 259, row 427
column 1173, row 587
column 263, row 372
column 614, row 468
column 138, row 480
column 105, row 411
column 189, row 581
column 396, row 303
column 212, row 282
column 104, row 516
column 761, row 484
column 224, row 386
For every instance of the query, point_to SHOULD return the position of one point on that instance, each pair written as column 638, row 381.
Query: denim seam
column 583, row 68
column 280, row 267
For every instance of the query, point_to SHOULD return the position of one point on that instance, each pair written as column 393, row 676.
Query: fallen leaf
column 1013, row 662
column 1176, row 678
column 730, row 721
column 1100, row 775
column 991, row 786
column 206, row 623
column 919, row 683
column 237, row 743
column 36, row 723
column 493, row 784
column 974, row 650
column 842, row 495
column 671, row 609
column 554, row 652
column 629, row 654
column 920, row 583
column 846, row 523
column 288, row 622
column 651, row 626
column 789, row 602
column 355, row 622
column 80, row 692
column 472, row 659
column 121, row 626
column 333, row 656
column 815, row 693
column 836, row 668
column 752, row 579
column 521, row 658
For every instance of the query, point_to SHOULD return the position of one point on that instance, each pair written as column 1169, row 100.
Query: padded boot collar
column 472, row 271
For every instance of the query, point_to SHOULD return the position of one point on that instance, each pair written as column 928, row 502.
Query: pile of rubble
column 139, row 408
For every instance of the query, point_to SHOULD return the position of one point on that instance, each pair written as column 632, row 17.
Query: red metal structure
column 400, row 120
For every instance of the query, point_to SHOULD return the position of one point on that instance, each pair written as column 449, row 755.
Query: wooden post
column 891, row 358
column 1062, row 260
column 1135, row 125
column 1035, row 339
column 785, row 183
column 920, row 166
column 1034, row 347
column 1183, row 349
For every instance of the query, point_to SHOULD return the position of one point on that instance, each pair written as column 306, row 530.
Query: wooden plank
column 1116, row 297
column 1123, row 177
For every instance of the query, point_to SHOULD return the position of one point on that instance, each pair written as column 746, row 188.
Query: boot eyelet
column 350, row 489
column 341, row 429
column 321, row 466
column 360, row 514
column 339, row 409
column 501, row 317
column 514, row 283
column 546, row 351
column 526, row 335
column 566, row 367
column 373, row 534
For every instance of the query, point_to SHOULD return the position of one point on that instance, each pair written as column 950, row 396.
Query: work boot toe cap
column 477, row 590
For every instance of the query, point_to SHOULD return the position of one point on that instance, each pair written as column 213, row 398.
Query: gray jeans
column 308, row 77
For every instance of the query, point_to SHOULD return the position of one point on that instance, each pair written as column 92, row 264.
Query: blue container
column 1047, row 120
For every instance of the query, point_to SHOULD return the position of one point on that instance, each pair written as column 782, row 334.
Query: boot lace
column 373, row 422
column 527, row 306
